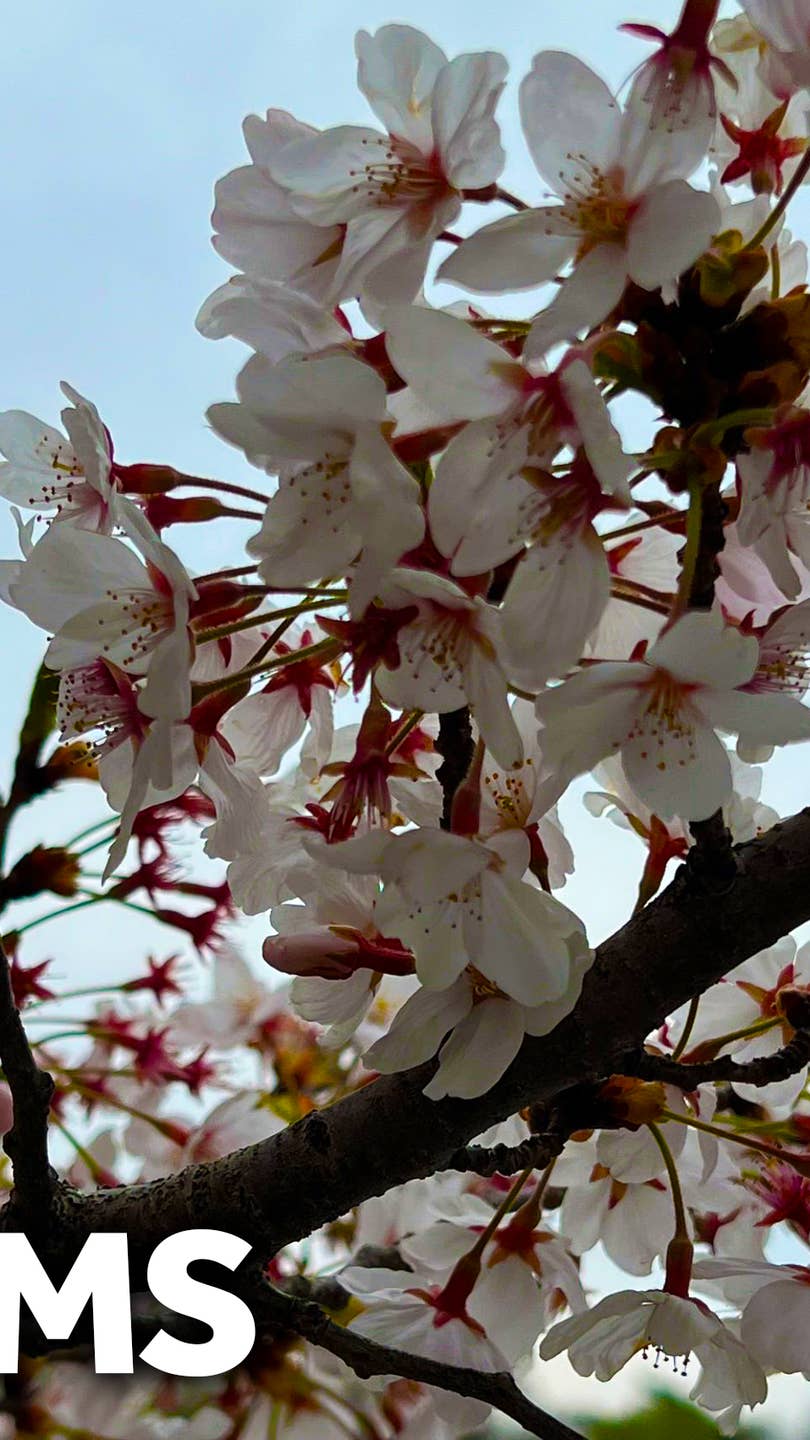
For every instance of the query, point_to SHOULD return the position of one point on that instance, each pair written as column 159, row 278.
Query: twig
column 26, row 1143
column 766, row 1070
column 367, row 1358
column 535, row 1150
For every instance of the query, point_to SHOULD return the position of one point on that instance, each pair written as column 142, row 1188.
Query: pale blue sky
column 115, row 122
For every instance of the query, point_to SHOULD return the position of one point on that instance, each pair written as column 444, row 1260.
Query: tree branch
column 386, row 1133
column 26, row 1143
column 367, row 1358
column 765, row 1070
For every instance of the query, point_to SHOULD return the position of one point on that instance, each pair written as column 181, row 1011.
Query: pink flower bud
column 315, row 952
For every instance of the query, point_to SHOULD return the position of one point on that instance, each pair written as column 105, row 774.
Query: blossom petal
column 591, row 291
column 569, row 117
column 464, row 126
column 678, row 768
column 397, row 69
column 758, row 719
column 461, row 374
column 419, row 1027
column 516, row 253
column 701, row 650
column 674, row 225
column 479, row 1051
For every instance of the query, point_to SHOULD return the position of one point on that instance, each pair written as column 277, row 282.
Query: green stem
column 681, row 1226
column 89, row 830
column 404, row 730
column 796, row 179
column 56, row 914
column 251, row 621
column 223, row 487
column 329, row 649
column 715, row 430
column 96, row 1170
column 800, row 1163
column 718, row 1042
column 776, row 273
column 691, row 1017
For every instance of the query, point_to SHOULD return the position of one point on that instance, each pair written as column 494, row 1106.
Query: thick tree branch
column 387, row 1133
column 26, row 1143
column 367, row 1358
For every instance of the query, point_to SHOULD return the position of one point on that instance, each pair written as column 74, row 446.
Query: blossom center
column 396, row 173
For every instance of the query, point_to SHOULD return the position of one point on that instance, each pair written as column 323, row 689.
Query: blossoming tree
column 462, row 593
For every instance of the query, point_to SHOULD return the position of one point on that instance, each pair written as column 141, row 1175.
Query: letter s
column 230, row 1319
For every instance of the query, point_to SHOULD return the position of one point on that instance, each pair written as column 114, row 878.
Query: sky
column 115, row 122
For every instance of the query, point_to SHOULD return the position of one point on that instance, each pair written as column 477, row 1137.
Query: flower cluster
column 460, row 592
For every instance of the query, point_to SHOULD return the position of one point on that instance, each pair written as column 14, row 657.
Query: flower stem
column 263, row 618
column 409, row 724
column 800, row 1163
column 56, row 914
column 796, row 179
column 681, row 1228
column 329, row 649
column 224, row 487
column 691, row 1017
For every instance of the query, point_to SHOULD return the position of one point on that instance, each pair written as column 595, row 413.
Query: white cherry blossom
column 395, row 192
column 72, row 477
column 449, row 657
column 774, row 519
column 99, row 600
column 511, row 799
column 602, row 1340
column 775, row 1319
column 256, row 228
column 785, row 24
column 319, row 424
column 626, row 212
column 526, row 1273
column 402, row 1310
column 750, row 997
column 456, row 901
column 662, row 714
column 484, row 1027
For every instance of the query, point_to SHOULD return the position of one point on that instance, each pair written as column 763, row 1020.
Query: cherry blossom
column 73, row 476
column 448, row 657
column 784, row 24
column 774, row 1321
column 101, row 601
column 485, row 1028
column 526, row 1275
column 257, row 230
column 624, row 205
column 396, row 192
column 444, row 893
column 298, row 697
column 602, row 1340
column 775, row 491
column 661, row 714
column 512, row 800
column 400, row 1308
column 319, row 424
column 676, row 85
column 747, row 1004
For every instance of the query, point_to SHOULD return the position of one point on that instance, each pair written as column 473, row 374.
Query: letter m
column 100, row 1273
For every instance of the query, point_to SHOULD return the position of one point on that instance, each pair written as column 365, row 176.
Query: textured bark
column 287, row 1186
